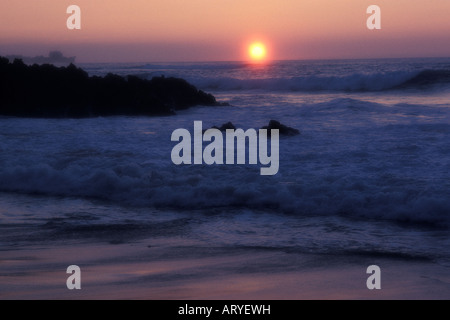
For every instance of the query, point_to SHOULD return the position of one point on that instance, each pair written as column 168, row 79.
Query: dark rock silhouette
column 56, row 92
column 223, row 127
column 273, row 124
column 283, row 130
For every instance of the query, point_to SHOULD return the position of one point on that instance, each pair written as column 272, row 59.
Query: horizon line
column 249, row 62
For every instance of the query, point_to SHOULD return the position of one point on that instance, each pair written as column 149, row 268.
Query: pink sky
column 213, row 30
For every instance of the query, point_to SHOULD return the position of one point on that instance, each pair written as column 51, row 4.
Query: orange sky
column 186, row 30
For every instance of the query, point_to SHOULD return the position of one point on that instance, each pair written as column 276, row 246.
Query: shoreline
column 364, row 185
column 138, row 271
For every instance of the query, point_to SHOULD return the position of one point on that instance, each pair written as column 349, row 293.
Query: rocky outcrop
column 57, row 92
column 273, row 124
column 283, row 130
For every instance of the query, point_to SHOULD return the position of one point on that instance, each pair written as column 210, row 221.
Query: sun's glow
column 257, row 51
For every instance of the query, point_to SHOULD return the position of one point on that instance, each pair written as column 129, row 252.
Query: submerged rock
column 224, row 127
column 273, row 124
column 284, row 130
column 48, row 91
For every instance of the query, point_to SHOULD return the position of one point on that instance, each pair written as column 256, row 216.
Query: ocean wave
column 427, row 78
column 236, row 186
column 357, row 82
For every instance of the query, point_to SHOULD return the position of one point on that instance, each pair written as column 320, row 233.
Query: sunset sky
column 221, row 30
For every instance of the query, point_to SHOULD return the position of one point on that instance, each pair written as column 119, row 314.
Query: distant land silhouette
column 54, row 57
column 47, row 91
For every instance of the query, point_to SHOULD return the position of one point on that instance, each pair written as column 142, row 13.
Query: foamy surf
column 366, row 182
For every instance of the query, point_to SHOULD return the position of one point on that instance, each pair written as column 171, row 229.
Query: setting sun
column 257, row 51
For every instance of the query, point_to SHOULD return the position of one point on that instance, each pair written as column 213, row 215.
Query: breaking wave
column 350, row 83
column 191, row 188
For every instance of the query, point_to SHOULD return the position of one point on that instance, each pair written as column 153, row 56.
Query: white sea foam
column 351, row 83
column 300, row 76
column 353, row 158
column 365, row 152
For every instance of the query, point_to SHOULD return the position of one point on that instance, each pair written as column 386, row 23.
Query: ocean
column 368, row 176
